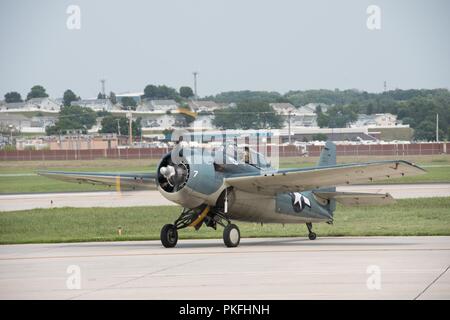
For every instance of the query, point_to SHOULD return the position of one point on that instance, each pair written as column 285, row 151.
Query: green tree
column 37, row 91
column 111, row 123
column 69, row 96
column 186, row 92
column 73, row 118
column 12, row 97
column 248, row 115
column 101, row 96
column 129, row 103
column 426, row 130
column 319, row 137
column 160, row 92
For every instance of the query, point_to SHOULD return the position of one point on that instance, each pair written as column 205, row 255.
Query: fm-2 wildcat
column 216, row 187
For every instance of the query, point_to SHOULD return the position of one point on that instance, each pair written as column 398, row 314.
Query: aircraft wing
column 318, row 177
column 356, row 198
column 118, row 180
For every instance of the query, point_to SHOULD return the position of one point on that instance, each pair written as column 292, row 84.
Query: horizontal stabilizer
column 356, row 198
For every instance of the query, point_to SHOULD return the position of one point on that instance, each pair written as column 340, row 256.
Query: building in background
column 94, row 104
column 158, row 106
column 136, row 96
column 376, row 120
column 35, row 104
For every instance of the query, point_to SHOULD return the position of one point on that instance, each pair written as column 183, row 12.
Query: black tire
column 169, row 236
column 312, row 236
column 231, row 236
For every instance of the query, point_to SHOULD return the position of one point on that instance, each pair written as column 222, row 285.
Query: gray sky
column 235, row 45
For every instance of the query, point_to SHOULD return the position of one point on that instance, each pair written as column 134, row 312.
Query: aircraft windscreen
column 231, row 154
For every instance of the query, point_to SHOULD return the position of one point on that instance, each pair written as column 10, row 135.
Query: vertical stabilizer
column 328, row 158
column 328, row 155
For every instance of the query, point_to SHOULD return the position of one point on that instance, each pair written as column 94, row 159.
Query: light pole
column 130, row 132
column 437, row 127
column 195, row 73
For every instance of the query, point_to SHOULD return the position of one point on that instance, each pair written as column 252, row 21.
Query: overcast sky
column 234, row 45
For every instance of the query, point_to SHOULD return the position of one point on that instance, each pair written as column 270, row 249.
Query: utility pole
column 130, row 132
column 289, row 126
column 437, row 127
column 118, row 127
column 385, row 86
column 103, row 88
column 195, row 73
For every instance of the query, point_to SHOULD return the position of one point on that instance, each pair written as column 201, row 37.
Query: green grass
column 412, row 217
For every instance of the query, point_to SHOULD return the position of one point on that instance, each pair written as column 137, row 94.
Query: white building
column 35, row 104
column 158, row 106
column 136, row 96
column 206, row 105
column 376, row 120
column 43, row 104
column 94, row 104
column 283, row 108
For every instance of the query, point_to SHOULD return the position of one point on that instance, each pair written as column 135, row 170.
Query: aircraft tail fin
column 328, row 155
column 328, row 158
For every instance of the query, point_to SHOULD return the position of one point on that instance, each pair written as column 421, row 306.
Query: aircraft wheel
column 169, row 236
column 312, row 236
column 231, row 236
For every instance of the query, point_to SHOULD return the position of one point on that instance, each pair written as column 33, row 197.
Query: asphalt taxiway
column 280, row 268
column 16, row 202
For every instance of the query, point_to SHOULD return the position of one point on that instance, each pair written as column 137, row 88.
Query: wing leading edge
column 319, row 177
column 118, row 180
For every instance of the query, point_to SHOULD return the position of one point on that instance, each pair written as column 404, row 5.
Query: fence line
column 284, row 151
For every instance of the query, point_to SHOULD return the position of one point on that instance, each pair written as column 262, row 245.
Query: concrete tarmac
column 279, row 268
column 153, row 198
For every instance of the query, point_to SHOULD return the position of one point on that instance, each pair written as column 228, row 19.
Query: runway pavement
column 280, row 268
column 154, row 198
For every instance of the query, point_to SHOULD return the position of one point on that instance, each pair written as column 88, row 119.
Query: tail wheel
column 169, row 236
column 231, row 236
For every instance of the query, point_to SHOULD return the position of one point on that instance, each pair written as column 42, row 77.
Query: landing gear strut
column 195, row 218
column 311, row 234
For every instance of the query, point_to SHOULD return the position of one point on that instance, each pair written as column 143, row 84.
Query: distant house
column 94, row 104
column 43, row 104
column 136, row 96
column 283, row 108
column 35, row 104
column 158, row 106
column 43, row 122
column 376, row 120
column 14, row 121
column 312, row 108
column 14, row 106
column 205, row 106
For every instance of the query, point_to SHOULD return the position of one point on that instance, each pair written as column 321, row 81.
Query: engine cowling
column 188, row 178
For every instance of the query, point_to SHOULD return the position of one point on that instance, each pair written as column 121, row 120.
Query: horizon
column 24, row 95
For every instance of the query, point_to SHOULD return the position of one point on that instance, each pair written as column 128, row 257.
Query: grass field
column 20, row 176
column 407, row 217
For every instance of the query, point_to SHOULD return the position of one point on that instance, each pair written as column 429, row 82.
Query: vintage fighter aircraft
column 226, row 185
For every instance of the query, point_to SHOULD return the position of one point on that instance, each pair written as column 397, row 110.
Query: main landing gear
column 311, row 234
column 211, row 217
